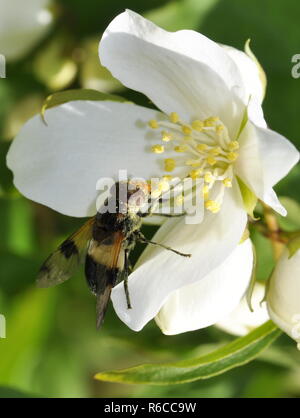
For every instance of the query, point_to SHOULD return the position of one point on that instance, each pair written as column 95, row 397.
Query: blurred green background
column 52, row 347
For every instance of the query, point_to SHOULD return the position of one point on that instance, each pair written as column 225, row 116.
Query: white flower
column 242, row 320
column 203, row 91
column 283, row 296
column 22, row 26
column 211, row 299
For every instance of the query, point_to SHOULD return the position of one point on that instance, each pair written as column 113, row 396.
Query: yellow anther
column 195, row 173
column 158, row 188
column 212, row 206
column 180, row 148
column 201, row 147
column 186, row 129
column 174, row 118
column 219, row 129
column 167, row 177
column 155, row 193
column 197, row 125
column 169, row 164
column 179, row 200
column 232, row 156
column 233, row 145
column 153, row 124
column 211, row 161
column 215, row 151
column 227, row 182
column 211, row 121
column 193, row 163
column 163, row 185
column 208, row 178
column 158, row 149
column 166, row 136
column 205, row 191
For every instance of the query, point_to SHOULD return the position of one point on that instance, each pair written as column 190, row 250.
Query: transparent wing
column 63, row 262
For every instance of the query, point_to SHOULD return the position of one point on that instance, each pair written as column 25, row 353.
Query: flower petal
column 283, row 294
column 206, row 302
column 160, row 272
column 249, row 71
column 58, row 165
column 254, row 80
column 181, row 71
column 22, row 27
column 265, row 158
column 241, row 321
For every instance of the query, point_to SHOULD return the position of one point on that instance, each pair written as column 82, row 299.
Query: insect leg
column 125, row 281
column 141, row 238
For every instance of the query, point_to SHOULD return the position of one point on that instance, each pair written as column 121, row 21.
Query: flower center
column 204, row 149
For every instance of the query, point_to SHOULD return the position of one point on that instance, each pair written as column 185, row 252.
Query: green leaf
column 292, row 220
column 238, row 352
column 27, row 327
column 249, row 198
column 62, row 97
column 8, row 392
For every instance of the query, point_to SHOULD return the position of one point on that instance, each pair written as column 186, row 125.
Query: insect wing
column 61, row 264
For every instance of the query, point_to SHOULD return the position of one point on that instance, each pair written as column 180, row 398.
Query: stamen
column 159, row 188
column 227, row 182
column 180, row 148
column 166, row 136
column 194, row 174
column 215, row 151
column 232, row 156
column 153, row 124
column 193, row 163
column 158, row 149
column 233, row 145
column 211, row 161
column 210, row 121
column 209, row 153
column 174, row 118
column 208, row 178
column 205, row 192
column 198, row 125
column 169, row 164
column 219, row 129
column 186, row 129
column 212, row 206
column 201, row 147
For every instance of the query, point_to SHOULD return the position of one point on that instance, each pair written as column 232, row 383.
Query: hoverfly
column 103, row 244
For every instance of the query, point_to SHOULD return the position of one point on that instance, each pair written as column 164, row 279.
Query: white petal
column 283, row 294
column 265, row 157
column 159, row 272
column 249, row 72
column 206, row 302
column 58, row 165
column 22, row 27
column 181, row 71
column 253, row 84
column 241, row 321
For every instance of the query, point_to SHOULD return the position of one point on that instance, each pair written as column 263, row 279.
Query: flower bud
column 283, row 297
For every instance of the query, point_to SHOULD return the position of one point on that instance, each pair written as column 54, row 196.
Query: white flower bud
column 283, row 296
